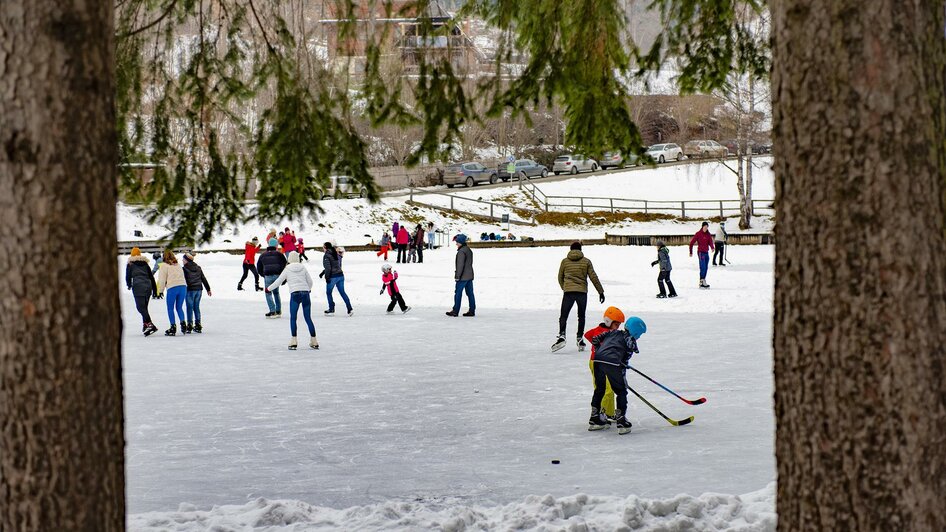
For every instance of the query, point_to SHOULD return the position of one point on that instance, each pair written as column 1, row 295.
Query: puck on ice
column 556, row 462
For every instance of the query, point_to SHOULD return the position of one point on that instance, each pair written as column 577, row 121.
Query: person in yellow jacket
column 613, row 319
column 573, row 275
column 171, row 281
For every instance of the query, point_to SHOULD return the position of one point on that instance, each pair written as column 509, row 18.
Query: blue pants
column 193, row 305
column 174, row 297
column 295, row 300
column 272, row 297
column 704, row 263
column 340, row 283
column 464, row 286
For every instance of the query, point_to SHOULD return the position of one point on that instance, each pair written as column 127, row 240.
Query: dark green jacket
column 575, row 271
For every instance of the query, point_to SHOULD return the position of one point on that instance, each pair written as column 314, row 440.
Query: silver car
column 572, row 164
column 342, row 186
column 665, row 152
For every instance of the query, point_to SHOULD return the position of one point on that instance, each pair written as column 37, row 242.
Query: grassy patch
column 598, row 218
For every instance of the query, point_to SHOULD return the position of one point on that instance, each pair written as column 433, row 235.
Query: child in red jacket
column 613, row 318
column 300, row 248
column 389, row 278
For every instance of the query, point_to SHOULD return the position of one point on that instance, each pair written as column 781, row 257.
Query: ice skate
column 172, row 331
column 406, row 310
column 239, row 287
column 595, row 422
column 329, row 312
column 148, row 329
column 185, row 327
column 314, row 343
column 259, row 288
column 661, row 296
column 351, row 313
column 293, row 343
column 623, row 425
column 581, row 344
column 703, row 284
column 559, row 343
column 197, row 328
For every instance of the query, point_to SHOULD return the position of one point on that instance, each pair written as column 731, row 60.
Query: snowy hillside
column 355, row 221
column 421, row 421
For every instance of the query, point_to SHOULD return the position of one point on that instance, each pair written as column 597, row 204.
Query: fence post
column 412, row 194
column 491, row 211
column 451, row 203
column 683, row 209
column 612, row 204
column 645, row 206
column 720, row 209
column 582, row 199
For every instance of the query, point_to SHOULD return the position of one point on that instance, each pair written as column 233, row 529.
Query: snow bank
column 708, row 512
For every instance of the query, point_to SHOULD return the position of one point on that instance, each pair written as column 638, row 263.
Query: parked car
column 705, row 148
column 759, row 148
column 665, row 152
column 615, row 159
column 572, row 164
column 525, row 169
column 468, row 174
column 343, row 186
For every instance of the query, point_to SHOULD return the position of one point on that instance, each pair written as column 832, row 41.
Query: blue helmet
column 635, row 327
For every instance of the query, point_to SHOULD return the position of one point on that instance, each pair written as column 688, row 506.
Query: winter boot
column 452, row 314
column 559, row 343
column 581, row 344
column 330, row 312
column 172, row 331
column 623, row 425
column 239, row 286
column 703, row 284
column 314, row 343
column 469, row 314
column 293, row 343
column 270, row 315
column 595, row 422
column 149, row 329
column 197, row 328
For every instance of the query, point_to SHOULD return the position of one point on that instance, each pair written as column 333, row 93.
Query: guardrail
column 487, row 210
column 683, row 240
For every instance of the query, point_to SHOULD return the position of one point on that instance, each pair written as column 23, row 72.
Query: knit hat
column 273, row 242
column 293, row 257
column 135, row 252
column 635, row 327
column 385, row 267
column 156, row 255
column 613, row 314
column 461, row 239
column 705, row 224
column 255, row 240
column 576, row 245
column 188, row 257
column 660, row 243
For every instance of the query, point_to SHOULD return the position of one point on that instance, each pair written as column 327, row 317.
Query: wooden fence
column 480, row 209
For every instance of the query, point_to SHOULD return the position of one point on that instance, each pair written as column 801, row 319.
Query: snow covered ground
column 354, row 221
column 421, row 421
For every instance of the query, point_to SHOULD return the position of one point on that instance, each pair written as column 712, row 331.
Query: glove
column 652, row 264
column 209, row 293
column 322, row 274
column 266, row 290
column 601, row 298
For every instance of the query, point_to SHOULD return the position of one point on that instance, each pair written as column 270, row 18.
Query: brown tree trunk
column 860, row 274
column 61, row 426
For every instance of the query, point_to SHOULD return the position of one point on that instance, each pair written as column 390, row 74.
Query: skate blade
column 558, row 348
column 291, row 348
column 592, row 428
column 314, row 347
column 624, row 431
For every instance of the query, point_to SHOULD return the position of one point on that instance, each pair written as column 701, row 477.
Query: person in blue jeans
column 463, row 275
column 334, row 277
column 172, row 283
column 300, row 284
column 270, row 265
column 704, row 242
column 196, row 282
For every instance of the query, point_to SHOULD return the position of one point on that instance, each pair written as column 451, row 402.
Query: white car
column 665, row 152
column 572, row 164
column 342, row 186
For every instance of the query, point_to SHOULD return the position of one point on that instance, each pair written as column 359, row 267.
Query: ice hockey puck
column 556, row 462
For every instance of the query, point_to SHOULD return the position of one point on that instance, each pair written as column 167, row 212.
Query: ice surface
column 386, row 417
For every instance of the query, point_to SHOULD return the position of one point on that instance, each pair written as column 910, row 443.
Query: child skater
column 613, row 350
column 389, row 279
column 300, row 248
column 663, row 258
column 613, row 318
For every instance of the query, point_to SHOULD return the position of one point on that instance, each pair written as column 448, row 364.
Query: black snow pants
column 397, row 299
column 607, row 373
column 141, row 303
column 720, row 246
column 247, row 268
column 569, row 299
column 665, row 276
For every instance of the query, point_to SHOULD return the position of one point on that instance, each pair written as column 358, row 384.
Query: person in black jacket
column 334, row 277
column 613, row 350
column 140, row 280
column 196, row 282
column 270, row 264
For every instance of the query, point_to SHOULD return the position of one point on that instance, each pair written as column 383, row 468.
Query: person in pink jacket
column 288, row 242
column 704, row 243
column 402, row 238
column 389, row 278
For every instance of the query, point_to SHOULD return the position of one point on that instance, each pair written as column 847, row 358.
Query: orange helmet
column 613, row 314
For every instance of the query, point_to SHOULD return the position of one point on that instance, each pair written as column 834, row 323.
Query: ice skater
column 196, row 282
column 721, row 237
column 573, row 275
column 334, row 277
column 663, row 258
column 402, row 237
column 463, row 277
column 300, row 285
column 172, row 283
column 300, row 247
column 704, row 243
column 140, row 280
column 389, row 280
column 250, row 249
column 612, row 320
column 270, row 264
column 613, row 350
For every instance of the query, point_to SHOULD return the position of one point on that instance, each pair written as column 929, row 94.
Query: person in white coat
column 300, row 284
column 721, row 237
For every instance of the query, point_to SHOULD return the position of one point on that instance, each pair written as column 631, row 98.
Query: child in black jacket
column 613, row 350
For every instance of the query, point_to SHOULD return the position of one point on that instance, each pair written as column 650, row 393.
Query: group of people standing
column 409, row 244
column 181, row 285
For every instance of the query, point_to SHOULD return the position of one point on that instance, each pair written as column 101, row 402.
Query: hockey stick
column 726, row 254
column 699, row 401
column 673, row 422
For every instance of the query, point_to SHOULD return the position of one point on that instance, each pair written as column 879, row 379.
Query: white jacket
column 169, row 276
column 296, row 275
column 721, row 234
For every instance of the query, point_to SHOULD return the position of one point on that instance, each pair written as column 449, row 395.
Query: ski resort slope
column 355, row 221
column 421, row 421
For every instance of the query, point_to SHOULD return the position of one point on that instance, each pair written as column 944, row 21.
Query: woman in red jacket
column 704, row 243
column 403, row 237
column 249, row 263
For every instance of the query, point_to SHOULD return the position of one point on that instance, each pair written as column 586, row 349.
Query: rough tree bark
column 61, row 426
column 860, row 294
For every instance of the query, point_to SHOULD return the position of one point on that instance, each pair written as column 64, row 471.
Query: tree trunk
column 860, row 271
column 61, row 426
